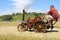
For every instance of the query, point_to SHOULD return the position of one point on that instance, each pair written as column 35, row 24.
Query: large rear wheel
column 40, row 26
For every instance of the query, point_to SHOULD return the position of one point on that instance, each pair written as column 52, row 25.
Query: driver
column 52, row 15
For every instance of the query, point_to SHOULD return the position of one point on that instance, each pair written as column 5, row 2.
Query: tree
column 18, row 13
column 13, row 14
column 7, row 18
column 34, row 13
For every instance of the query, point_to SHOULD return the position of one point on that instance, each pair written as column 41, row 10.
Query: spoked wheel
column 21, row 27
column 40, row 26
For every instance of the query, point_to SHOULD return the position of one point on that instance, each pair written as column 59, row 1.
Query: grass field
column 7, row 24
column 19, row 17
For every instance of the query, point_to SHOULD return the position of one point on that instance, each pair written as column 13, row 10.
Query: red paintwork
column 37, row 18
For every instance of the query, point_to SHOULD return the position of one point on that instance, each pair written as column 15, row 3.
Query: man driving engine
column 52, row 15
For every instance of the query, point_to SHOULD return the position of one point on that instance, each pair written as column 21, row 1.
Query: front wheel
column 21, row 27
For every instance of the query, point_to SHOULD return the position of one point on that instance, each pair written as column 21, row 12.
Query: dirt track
column 13, row 30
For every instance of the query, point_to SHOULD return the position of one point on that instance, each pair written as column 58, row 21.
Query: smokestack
column 24, row 12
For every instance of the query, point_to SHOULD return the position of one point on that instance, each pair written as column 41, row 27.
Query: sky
column 14, row 6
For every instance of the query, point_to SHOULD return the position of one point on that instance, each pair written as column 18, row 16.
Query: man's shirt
column 54, row 13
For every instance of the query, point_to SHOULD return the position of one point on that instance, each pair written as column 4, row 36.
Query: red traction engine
column 37, row 24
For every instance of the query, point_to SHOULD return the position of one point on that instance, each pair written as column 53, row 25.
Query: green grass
column 19, row 17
